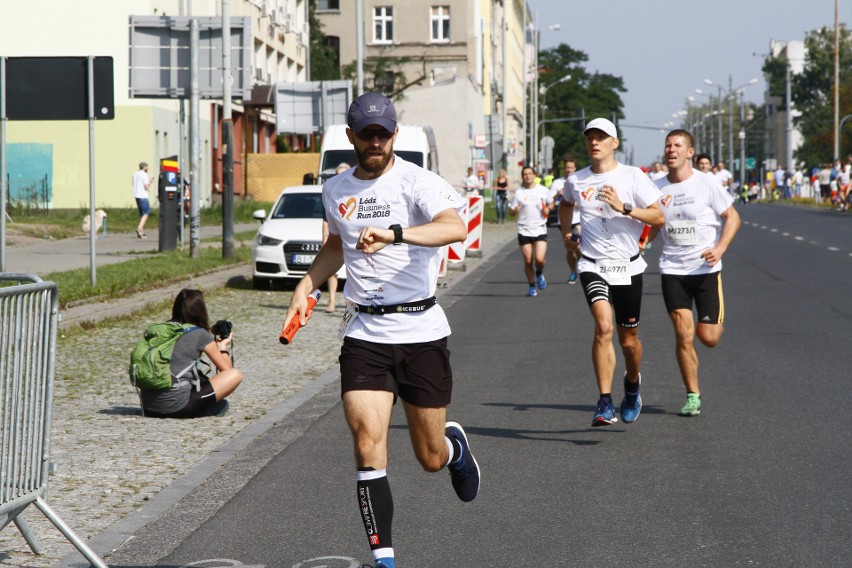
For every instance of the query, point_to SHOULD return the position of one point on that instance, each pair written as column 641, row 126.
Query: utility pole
column 788, row 127
column 359, row 44
column 836, row 83
column 194, row 142
column 227, row 138
column 731, row 98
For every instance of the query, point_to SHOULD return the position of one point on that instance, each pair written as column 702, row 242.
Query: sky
column 665, row 49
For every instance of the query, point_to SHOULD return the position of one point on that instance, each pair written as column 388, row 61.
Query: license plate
column 303, row 258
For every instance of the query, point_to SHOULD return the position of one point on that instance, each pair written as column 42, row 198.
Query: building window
column 440, row 20
column 328, row 5
column 333, row 43
column 383, row 24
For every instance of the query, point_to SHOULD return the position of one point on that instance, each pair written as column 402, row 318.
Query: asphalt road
column 760, row 478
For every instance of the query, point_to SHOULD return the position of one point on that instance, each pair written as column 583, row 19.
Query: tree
column 596, row 94
column 812, row 93
column 385, row 75
column 324, row 61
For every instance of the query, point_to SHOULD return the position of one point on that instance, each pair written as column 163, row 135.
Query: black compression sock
column 376, row 505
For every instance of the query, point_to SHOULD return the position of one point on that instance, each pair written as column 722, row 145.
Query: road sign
column 160, row 57
column 751, row 163
column 57, row 88
column 311, row 107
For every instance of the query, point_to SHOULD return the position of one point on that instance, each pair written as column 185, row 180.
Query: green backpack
column 150, row 360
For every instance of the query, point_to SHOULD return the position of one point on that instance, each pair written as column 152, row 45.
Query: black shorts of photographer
column 193, row 394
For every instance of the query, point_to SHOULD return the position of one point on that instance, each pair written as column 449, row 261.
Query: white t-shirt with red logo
column 693, row 210
column 607, row 234
column 531, row 222
column 409, row 196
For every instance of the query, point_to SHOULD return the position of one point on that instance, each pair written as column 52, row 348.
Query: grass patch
column 65, row 223
column 137, row 275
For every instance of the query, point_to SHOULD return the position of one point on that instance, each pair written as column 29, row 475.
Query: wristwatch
column 627, row 209
column 397, row 234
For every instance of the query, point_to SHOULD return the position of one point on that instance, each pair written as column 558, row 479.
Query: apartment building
column 454, row 65
column 792, row 52
column 54, row 155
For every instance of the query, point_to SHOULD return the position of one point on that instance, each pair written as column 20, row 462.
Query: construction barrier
column 475, row 211
column 456, row 250
column 442, row 269
column 29, row 313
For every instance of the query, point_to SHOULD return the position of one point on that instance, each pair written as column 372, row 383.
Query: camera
column 222, row 329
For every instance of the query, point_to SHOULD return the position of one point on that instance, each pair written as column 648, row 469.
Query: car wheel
column 260, row 283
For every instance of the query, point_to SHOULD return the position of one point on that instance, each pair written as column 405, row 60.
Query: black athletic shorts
column 524, row 240
column 705, row 290
column 419, row 373
column 626, row 300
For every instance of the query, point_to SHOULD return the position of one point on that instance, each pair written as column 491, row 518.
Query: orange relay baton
column 292, row 326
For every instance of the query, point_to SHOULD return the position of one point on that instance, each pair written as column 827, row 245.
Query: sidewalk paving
column 102, row 484
column 67, row 254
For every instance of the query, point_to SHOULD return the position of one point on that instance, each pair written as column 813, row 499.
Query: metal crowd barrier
column 29, row 313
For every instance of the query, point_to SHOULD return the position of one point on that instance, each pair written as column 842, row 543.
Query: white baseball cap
column 603, row 125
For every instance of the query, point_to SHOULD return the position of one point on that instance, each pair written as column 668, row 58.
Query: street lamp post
column 730, row 94
column 544, row 90
column 709, row 115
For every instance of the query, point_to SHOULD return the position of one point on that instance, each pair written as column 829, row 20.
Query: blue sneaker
column 573, row 278
column 465, row 471
column 605, row 414
column 542, row 283
column 631, row 406
column 381, row 563
column 531, row 292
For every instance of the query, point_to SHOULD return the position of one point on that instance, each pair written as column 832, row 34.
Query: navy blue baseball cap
column 369, row 109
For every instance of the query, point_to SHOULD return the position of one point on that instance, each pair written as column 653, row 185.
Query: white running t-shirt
column 693, row 210
column 531, row 222
column 409, row 196
column 140, row 180
column 607, row 234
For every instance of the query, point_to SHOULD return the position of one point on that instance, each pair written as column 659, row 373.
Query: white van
column 415, row 144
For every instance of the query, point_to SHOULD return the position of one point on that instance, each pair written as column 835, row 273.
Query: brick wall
column 268, row 174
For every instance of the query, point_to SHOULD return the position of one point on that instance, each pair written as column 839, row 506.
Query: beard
column 373, row 161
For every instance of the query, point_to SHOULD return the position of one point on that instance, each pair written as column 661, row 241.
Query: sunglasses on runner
column 368, row 135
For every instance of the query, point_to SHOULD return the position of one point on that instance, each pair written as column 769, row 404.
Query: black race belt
column 406, row 308
column 632, row 258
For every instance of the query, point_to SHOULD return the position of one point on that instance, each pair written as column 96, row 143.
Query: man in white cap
column 394, row 332
column 616, row 202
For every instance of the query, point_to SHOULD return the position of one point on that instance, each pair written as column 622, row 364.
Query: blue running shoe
column 531, row 292
column 542, row 283
column 573, row 278
column 631, row 406
column 465, row 471
column 605, row 414
column 381, row 563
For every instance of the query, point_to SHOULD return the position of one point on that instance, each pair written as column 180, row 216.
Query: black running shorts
column 626, row 300
column 705, row 290
column 525, row 240
column 419, row 373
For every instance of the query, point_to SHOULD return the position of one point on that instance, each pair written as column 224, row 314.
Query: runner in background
column 573, row 254
column 700, row 225
column 532, row 204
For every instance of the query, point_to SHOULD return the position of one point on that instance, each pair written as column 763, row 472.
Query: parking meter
column 168, row 191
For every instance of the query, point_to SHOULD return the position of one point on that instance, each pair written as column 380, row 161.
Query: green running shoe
column 692, row 406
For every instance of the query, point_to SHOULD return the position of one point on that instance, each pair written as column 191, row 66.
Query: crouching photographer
column 191, row 393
